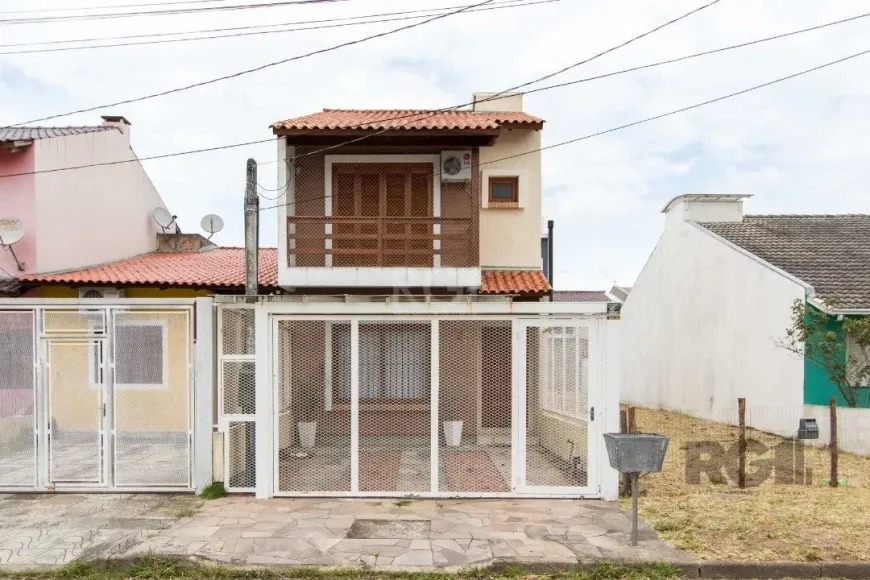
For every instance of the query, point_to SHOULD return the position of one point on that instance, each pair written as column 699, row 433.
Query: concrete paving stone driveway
column 386, row 533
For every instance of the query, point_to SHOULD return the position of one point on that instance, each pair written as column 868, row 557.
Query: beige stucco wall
column 105, row 209
column 511, row 238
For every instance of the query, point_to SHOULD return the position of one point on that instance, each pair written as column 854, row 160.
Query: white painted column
column 204, row 389
column 354, row 405
column 327, row 367
column 264, row 394
column 611, row 348
column 434, row 365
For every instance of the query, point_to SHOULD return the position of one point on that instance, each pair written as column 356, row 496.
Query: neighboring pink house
column 78, row 217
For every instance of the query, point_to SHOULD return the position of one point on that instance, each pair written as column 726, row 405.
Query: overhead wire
column 647, row 119
column 104, row 6
column 539, row 89
column 260, row 67
column 248, row 27
column 170, row 12
column 513, row 4
column 430, row 114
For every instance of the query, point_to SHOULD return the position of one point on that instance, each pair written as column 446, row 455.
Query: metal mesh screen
column 557, row 408
column 152, row 373
column 312, row 406
column 241, row 461
column 77, row 322
column 237, row 331
column 239, row 387
column 356, row 213
column 475, row 406
column 75, row 381
column 17, row 399
column 395, row 404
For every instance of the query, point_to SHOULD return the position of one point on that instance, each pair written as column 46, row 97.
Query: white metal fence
column 96, row 395
column 365, row 405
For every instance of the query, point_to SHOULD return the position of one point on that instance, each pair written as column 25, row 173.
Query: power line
column 261, row 67
column 530, row 91
column 514, row 4
column 430, row 114
column 170, row 12
column 646, row 120
column 84, row 8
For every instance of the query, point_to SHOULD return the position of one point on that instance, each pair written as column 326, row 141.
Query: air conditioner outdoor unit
column 456, row 165
column 105, row 293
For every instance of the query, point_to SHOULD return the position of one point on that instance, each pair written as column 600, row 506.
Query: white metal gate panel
column 18, row 403
column 75, row 381
column 558, row 435
column 151, row 386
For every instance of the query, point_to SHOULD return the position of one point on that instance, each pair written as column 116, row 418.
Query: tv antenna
column 11, row 231
column 212, row 223
column 163, row 218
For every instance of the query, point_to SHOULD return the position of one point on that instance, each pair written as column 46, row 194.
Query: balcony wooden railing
column 362, row 241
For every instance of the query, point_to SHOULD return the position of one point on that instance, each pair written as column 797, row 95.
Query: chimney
column 701, row 207
column 118, row 121
column 505, row 102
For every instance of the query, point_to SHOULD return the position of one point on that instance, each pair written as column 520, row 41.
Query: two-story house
column 73, row 218
column 415, row 349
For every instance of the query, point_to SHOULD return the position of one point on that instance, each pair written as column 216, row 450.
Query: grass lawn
column 164, row 568
column 718, row 521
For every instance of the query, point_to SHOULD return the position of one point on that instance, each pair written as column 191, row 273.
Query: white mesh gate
column 96, row 396
column 397, row 406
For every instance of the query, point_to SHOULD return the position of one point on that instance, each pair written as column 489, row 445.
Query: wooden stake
column 632, row 425
column 833, row 444
column 741, row 456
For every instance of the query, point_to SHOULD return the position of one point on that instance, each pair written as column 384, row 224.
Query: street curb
column 773, row 570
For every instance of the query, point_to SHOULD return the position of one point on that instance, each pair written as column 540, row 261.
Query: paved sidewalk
column 388, row 534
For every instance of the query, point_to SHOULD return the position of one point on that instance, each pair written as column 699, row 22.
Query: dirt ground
column 768, row 521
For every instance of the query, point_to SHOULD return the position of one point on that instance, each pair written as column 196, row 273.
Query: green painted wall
column 818, row 388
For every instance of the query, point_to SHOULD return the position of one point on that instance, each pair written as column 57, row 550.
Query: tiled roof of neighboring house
column 10, row 287
column 513, row 282
column 383, row 119
column 224, row 269
column 829, row 252
column 580, row 296
column 9, row 134
column 221, row 268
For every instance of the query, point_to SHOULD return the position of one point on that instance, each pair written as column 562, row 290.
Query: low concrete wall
column 557, row 432
column 16, row 432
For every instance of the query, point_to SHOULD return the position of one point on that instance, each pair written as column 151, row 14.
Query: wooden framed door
column 389, row 206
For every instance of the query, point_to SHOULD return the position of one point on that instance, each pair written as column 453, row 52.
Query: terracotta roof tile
column 382, row 119
column 218, row 268
column 224, row 268
column 580, row 296
column 829, row 252
column 513, row 282
column 32, row 133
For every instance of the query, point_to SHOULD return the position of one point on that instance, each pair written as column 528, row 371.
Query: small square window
column 504, row 189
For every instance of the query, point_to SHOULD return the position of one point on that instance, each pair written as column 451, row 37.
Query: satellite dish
column 163, row 218
column 212, row 223
column 11, row 230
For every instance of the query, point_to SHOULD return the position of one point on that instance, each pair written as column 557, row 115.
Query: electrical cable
column 655, row 64
column 430, row 114
column 514, row 4
column 272, row 139
column 83, row 8
column 648, row 119
column 259, row 68
column 170, row 12
column 236, row 28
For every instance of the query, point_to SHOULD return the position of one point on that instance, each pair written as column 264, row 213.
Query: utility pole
column 252, row 230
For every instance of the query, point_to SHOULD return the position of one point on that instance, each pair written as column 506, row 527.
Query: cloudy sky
column 798, row 147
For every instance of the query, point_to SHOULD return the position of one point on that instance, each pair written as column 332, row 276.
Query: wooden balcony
column 381, row 242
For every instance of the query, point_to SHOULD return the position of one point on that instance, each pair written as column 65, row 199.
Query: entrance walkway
column 390, row 534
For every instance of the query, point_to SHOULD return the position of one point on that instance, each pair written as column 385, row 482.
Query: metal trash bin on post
column 636, row 453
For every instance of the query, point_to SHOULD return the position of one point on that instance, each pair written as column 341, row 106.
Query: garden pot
column 453, row 433
column 307, row 433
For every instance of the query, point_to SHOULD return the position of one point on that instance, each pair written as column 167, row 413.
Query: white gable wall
column 698, row 330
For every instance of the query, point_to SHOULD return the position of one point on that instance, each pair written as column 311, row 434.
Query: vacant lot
column 718, row 521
